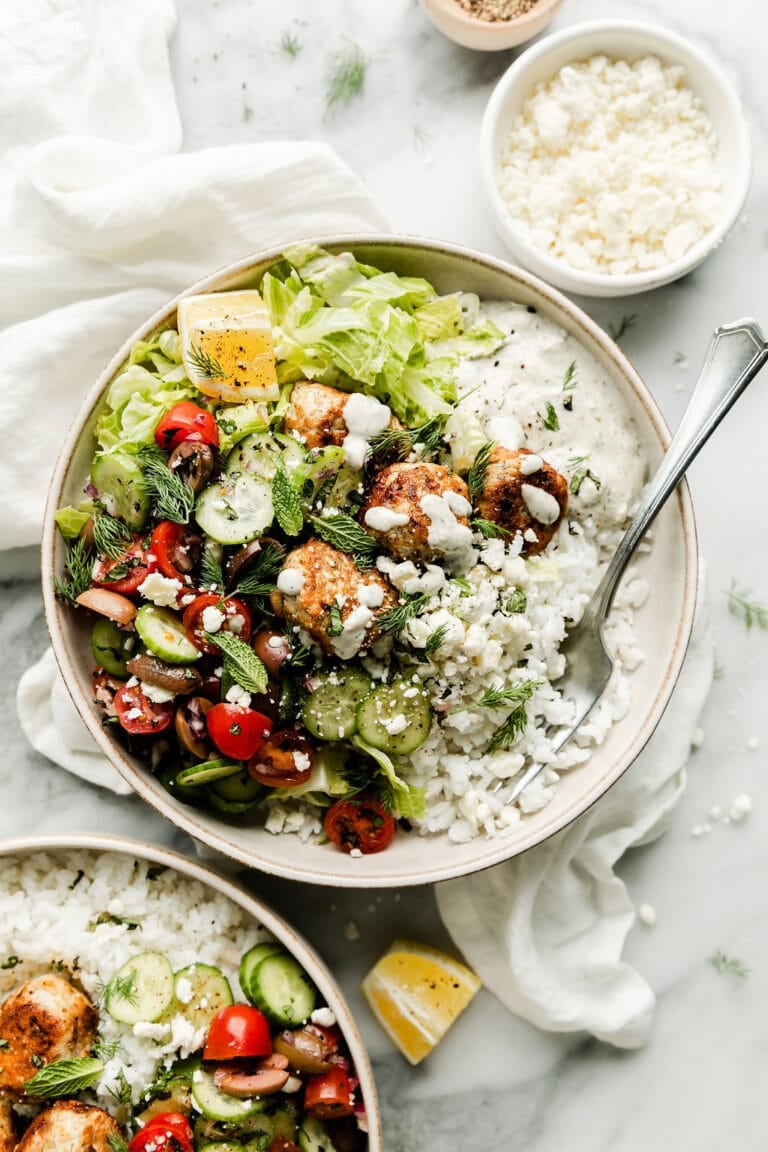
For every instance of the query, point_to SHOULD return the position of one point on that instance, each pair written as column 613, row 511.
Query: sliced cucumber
column 163, row 633
column 240, row 788
column 284, row 1119
column 313, row 1136
column 260, row 452
column 250, row 961
column 120, row 483
column 282, row 990
column 221, row 1146
column 235, row 509
column 112, row 646
column 199, row 991
column 330, row 710
column 142, row 990
column 205, row 773
column 230, row 807
column 220, row 1105
column 396, row 717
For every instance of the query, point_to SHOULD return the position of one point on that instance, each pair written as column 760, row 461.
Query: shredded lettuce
column 238, row 421
column 411, row 801
column 350, row 325
column 70, row 521
column 135, row 401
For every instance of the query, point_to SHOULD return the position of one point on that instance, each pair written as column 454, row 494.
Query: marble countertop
column 496, row 1082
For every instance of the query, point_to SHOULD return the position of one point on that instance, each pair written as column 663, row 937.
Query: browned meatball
column 316, row 414
column 7, row 1137
column 409, row 533
column 323, row 577
column 526, row 497
column 70, row 1126
column 46, row 1019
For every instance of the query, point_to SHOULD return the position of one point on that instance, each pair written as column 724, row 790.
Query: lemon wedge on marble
column 416, row 993
column 226, row 344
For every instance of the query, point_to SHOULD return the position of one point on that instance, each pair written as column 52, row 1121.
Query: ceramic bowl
column 663, row 623
column 626, row 40
column 485, row 35
column 59, row 847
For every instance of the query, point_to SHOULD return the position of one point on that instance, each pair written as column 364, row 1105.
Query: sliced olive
column 192, row 461
column 182, row 680
column 190, row 726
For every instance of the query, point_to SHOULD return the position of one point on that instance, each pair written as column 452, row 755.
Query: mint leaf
column 240, row 661
column 344, row 532
column 286, row 501
column 64, row 1078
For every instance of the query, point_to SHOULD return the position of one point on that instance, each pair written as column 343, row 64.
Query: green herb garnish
column 478, row 471
column 206, row 366
column 618, row 330
column 290, row 44
column 287, row 501
column 110, row 918
column 336, row 624
column 517, row 602
column 122, row 988
column 435, row 640
column 240, row 661
column 264, row 567
column 110, row 536
column 79, row 565
column 116, row 1143
column 211, row 574
column 488, row 528
column 750, row 611
column 569, row 380
column 10, row 962
column 343, row 532
column 728, row 965
column 121, row 1094
column 398, row 443
column 396, row 618
column 347, row 76
column 64, row 1078
column 551, row 421
column 171, row 498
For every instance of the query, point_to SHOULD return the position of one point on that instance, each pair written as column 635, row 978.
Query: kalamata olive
column 272, row 648
column 110, row 604
column 172, row 677
column 343, row 1134
column 268, row 1076
column 240, row 561
column 268, row 703
column 306, row 1050
column 192, row 461
column 283, row 760
column 190, row 726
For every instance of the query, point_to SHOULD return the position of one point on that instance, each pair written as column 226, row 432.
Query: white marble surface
column 495, row 1082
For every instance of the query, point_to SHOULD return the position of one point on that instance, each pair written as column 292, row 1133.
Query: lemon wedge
column 416, row 993
column 226, row 344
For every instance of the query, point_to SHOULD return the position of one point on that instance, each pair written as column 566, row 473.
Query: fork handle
column 735, row 355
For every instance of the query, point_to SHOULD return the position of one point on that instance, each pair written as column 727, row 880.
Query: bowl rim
column 453, row 10
column 255, row 907
column 184, row 817
column 558, row 271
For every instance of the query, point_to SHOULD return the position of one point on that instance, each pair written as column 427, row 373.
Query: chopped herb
column 569, row 380
column 464, row 586
column 435, row 640
column 110, row 918
column 211, row 575
column 551, row 421
column 618, row 330
column 64, row 1077
column 110, row 536
column 206, row 367
column 750, row 611
column 105, row 1049
column 77, row 879
column 264, row 568
column 517, row 602
column 479, row 469
column 336, row 624
column 171, row 498
column 489, row 528
column 287, row 501
column 728, row 965
column 719, row 671
column 121, row 988
column 503, row 696
column 290, row 44
column 37, row 1060
column 580, row 476
column 300, row 653
column 116, row 1143
column 247, row 112
column 347, row 76
column 396, row 618
column 79, row 565
column 240, row 661
column 343, row 532
column 398, row 443
column 10, row 962
column 121, row 1093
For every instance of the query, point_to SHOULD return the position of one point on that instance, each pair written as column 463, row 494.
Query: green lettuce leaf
column 135, row 401
column 411, row 801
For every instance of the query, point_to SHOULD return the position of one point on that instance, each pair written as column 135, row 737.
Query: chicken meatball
column 46, row 1019
column 316, row 414
column 70, row 1126
column 322, row 591
column 7, row 1137
column 419, row 512
column 524, row 494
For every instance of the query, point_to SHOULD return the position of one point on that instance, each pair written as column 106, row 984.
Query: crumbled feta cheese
column 161, row 590
column 147, row 1031
column 740, row 807
column 382, row 519
column 155, row 694
column 355, row 852
column 396, row 725
column 290, row 581
column 646, row 914
column 371, row 595
column 238, row 695
column 134, row 714
column 183, row 990
column 324, row 1017
column 213, row 618
column 236, row 623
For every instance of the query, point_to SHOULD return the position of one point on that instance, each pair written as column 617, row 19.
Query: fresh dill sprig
column 110, row 918
column 264, row 567
column 396, row 618
column 79, row 565
column 347, row 76
column 121, row 1094
column 116, row 1143
column 435, row 640
column 122, row 988
column 464, row 586
column 211, row 574
column 170, row 497
column 105, row 1049
column 750, row 611
column 397, row 443
column 581, row 474
column 290, row 44
column 477, row 473
column 110, row 536
column 343, row 532
column 503, row 696
column 569, row 380
column 517, row 602
column 551, row 421
column 207, row 367
column 361, row 776
column 728, row 965
column 616, row 331
column 489, row 528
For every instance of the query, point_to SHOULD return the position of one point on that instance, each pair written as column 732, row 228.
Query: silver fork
column 736, row 354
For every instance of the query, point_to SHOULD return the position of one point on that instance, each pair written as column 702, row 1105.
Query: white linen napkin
column 99, row 224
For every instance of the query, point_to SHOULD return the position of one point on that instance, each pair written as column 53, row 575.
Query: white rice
column 48, row 907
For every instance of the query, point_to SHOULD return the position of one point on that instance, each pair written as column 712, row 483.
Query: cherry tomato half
column 175, row 550
column 237, row 1030
column 360, row 822
column 125, row 573
column 283, row 760
column 237, row 731
column 283, row 1144
column 237, row 619
column 138, row 714
column 186, row 421
column 165, row 1132
column 331, row 1094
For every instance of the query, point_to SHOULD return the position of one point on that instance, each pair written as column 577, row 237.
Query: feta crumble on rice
column 48, row 905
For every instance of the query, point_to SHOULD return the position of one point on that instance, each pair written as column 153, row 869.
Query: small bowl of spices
column 490, row 25
column 616, row 157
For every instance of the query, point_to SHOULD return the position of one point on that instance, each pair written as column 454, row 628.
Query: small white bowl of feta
column 616, row 156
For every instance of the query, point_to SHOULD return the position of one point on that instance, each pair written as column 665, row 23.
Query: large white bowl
column 663, row 623
column 60, row 846
column 626, row 40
